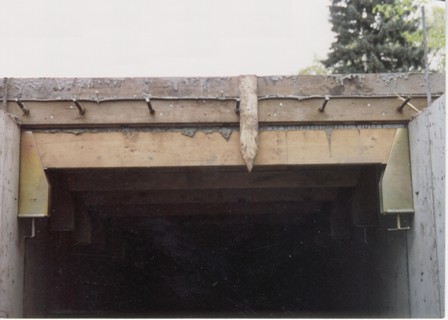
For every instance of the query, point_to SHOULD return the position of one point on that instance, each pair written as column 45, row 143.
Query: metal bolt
column 405, row 102
column 81, row 110
column 237, row 108
column 324, row 104
column 22, row 107
column 148, row 103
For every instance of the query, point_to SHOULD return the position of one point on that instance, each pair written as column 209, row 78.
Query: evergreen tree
column 371, row 37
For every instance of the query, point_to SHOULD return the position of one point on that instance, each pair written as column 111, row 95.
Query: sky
column 161, row 38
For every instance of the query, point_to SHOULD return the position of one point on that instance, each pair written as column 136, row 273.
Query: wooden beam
column 144, row 149
column 209, row 112
column 146, row 222
column 337, row 111
column 140, row 198
column 149, row 179
column 278, row 208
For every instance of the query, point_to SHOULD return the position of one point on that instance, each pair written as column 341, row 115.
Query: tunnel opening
column 265, row 250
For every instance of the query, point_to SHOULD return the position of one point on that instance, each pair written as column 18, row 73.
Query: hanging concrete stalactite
column 248, row 119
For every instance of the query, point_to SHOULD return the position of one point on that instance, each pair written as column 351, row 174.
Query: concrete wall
column 426, row 239
column 407, row 267
column 11, row 240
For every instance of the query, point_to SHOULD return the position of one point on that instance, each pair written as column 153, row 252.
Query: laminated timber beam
column 258, row 195
column 211, row 209
column 63, row 114
column 115, row 102
column 137, row 180
column 157, row 148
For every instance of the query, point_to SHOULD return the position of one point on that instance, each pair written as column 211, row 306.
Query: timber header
column 260, row 122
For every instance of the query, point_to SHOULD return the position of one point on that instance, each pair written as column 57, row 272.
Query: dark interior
column 248, row 246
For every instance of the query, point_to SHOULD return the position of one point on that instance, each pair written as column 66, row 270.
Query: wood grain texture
column 210, row 112
column 173, row 149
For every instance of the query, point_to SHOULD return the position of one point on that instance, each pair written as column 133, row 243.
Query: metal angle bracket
column 34, row 189
column 396, row 181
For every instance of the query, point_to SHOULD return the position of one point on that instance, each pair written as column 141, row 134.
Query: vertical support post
column 248, row 119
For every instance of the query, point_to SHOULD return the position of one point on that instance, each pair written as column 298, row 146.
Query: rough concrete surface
column 11, row 245
column 426, row 239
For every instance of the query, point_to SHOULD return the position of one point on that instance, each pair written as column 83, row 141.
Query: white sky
column 93, row 38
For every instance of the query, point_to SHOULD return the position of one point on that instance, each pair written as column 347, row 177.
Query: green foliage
column 436, row 35
column 396, row 10
column 373, row 36
column 317, row 68
column 436, row 39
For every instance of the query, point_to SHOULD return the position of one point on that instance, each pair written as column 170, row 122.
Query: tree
column 436, row 39
column 371, row 37
column 435, row 24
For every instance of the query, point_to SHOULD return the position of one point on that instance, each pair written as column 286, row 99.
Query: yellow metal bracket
column 34, row 189
column 396, row 181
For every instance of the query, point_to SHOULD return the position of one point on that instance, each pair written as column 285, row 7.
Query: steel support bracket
column 396, row 181
column 34, row 189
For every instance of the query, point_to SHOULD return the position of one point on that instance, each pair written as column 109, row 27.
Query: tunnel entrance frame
column 311, row 117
